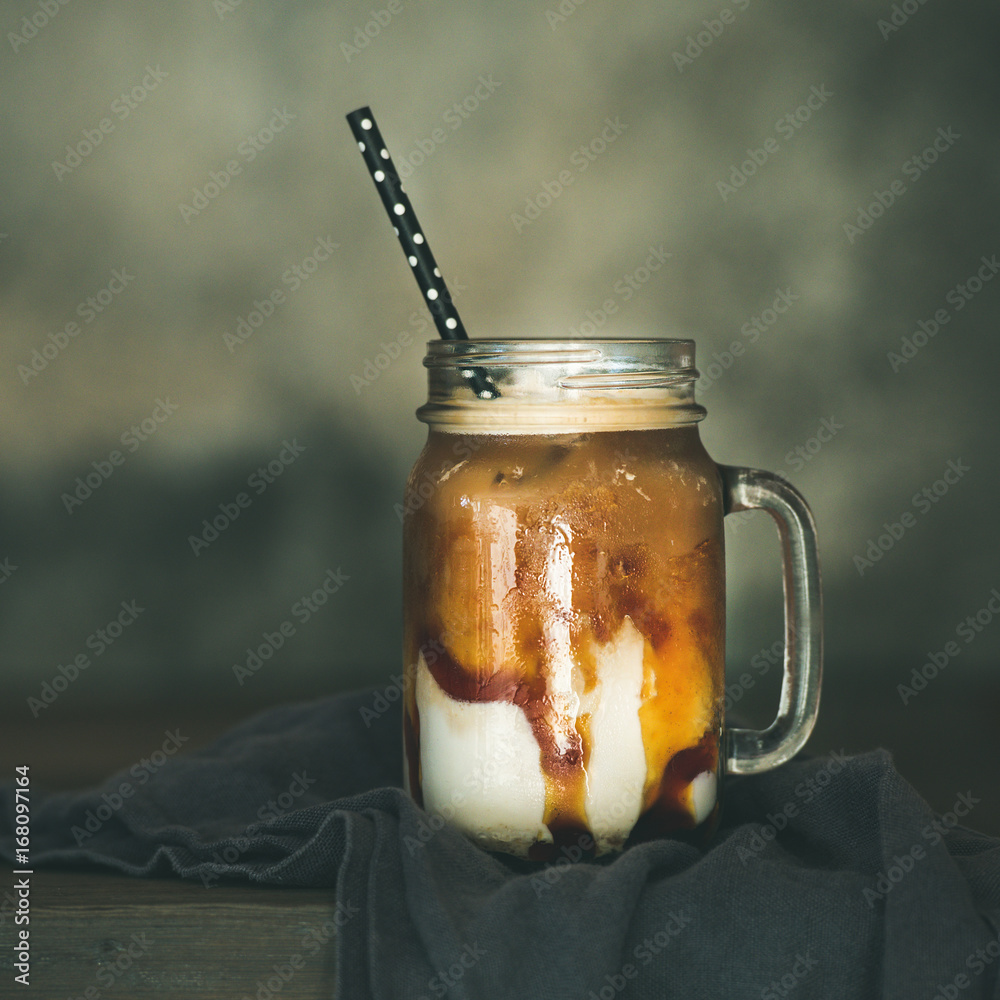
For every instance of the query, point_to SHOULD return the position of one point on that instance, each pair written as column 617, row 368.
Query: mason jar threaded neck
column 550, row 385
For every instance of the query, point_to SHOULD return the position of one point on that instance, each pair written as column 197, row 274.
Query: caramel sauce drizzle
column 512, row 594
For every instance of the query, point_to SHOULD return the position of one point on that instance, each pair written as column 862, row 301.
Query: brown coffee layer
column 524, row 555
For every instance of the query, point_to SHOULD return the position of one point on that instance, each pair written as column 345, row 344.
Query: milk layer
column 481, row 767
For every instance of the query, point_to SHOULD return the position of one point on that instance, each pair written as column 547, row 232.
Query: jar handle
column 752, row 751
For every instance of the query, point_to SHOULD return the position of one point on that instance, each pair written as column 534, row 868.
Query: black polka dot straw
column 411, row 237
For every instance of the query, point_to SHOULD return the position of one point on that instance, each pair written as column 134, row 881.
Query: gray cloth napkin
column 829, row 877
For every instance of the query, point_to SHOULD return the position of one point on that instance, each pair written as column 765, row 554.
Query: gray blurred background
column 223, row 157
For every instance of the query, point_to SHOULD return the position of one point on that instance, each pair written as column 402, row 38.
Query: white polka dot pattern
column 406, row 227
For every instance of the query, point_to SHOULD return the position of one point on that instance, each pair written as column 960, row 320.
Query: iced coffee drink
column 564, row 599
column 564, row 635
column 564, row 584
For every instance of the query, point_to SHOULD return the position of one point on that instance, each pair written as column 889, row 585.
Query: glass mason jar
column 564, row 599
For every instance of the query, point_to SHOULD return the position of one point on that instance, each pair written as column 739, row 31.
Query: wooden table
column 131, row 939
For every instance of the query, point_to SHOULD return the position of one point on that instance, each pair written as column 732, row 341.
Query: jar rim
column 662, row 352
column 560, row 381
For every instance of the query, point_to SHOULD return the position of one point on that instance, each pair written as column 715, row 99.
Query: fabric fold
column 829, row 876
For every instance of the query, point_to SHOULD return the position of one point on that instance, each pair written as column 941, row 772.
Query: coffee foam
column 544, row 410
